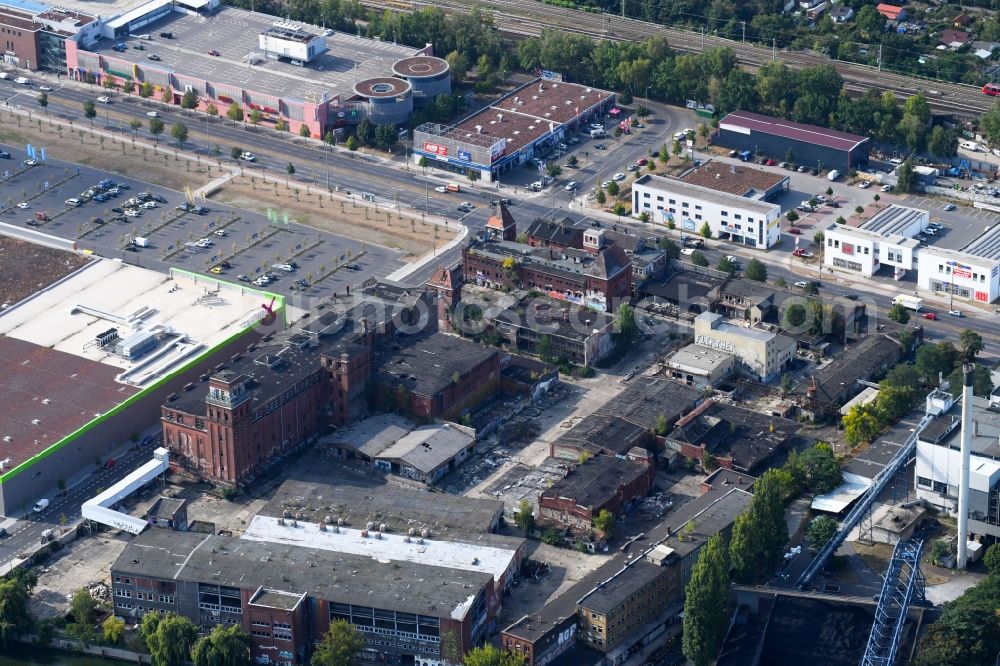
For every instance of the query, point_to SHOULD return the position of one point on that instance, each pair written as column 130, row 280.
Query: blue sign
column 464, row 155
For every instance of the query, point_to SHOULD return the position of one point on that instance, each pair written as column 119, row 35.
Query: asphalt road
column 65, row 509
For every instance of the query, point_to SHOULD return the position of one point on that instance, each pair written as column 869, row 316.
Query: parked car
column 886, row 188
column 955, row 313
column 795, row 231
column 215, row 53
column 949, row 207
column 154, row 57
column 687, row 251
column 929, row 315
column 619, row 176
column 152, row 114
column 441, row 188
column 73, row 202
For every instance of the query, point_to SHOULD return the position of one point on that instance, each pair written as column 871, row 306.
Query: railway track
column 530, row 17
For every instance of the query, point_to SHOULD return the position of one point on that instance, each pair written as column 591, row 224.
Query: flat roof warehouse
column 347, row 60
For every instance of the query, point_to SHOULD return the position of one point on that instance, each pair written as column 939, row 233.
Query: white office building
column 884, row 239
column 939, row 458
column 856, row 250
column 748, row 221
column 965, row 275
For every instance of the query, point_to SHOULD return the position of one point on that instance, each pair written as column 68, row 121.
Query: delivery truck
column 910, row 302
column 139, row 241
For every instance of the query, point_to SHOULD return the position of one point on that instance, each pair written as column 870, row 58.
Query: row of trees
column 968, row 631
column 758, row 540
column 904, row 384
column 812, row 95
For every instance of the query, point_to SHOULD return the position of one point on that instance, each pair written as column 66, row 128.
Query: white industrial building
column 761, row 353
column 697, row 365
column 886, row 238
column 750, row 221
column 938, row 465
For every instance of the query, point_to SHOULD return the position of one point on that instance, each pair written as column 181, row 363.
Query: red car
column 798, row 252
column 642, row 161
column 215, row 53
column 930, row 315
column 111, row 463
column 794, row 231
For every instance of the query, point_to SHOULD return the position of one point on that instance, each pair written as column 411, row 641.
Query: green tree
column 352, row 143
column 544, row 348
column 525, row 518
column 626, row 329
column 968, row 631
column 281, row 125
column 601, row 197
column 613, row 189
column 795, row 315
column 869, row 21
column 366, row 131
column 235, row 113
column 255, row 117
column 146, row 90
column 156, row 128
column 89, row 111
column 169, row 639
column 760, row 533
column 821, row 530
column 819, row 238
column 15, row 590
column 670, row 248
column 225, row 646
column 290, row 169
column 893, row 402
column 135, row 125
column 982, row 382
column 942, row 142
column 340, row 646
column 459, row 66
column 992, row 559
column 899, row 314
column 860, row 425
column 423, row 163
column 83, row 607
column 604, row 522
column 167, row 95
column 756, row 270
column 43, row 101
column 189, row 100
column 180, row 133
column 821, row 471
column 933, row 361
column 989, row 124
column 304, row 131
column 705, row 231
column 236, row 153
column 706, row 601
column 212, row 110
column 906, row 179
column 386, row 136
column 726, row 265
column 553, row 170
column 113, row 630
column 971, row 344
column 490, row 655
column 699, row 259
column 792, row 216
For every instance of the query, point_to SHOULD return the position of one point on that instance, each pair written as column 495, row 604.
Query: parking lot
column 168, row 228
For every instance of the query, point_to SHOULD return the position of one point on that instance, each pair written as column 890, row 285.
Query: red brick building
column 436, row 376
column 556, row 234
column 601, row 483
column 598, row 280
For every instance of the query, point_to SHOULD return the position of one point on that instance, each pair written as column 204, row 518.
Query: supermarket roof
column 745, row 122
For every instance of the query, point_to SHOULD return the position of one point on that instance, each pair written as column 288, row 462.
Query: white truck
column 139, row 241
column 910, row 302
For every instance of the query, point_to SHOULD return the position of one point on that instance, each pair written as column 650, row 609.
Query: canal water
column 30, row 655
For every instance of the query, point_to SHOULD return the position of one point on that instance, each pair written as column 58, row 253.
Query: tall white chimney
column 968, row 371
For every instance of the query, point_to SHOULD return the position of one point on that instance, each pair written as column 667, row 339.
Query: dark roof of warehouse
column 49, row 394
column 564, row 231
column 600, row 433
column 647, row 398
column 426, row 364
column 787, row 129
column 596, row 481
column 861, row 361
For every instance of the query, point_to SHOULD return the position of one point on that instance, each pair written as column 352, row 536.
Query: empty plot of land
column 27, row 267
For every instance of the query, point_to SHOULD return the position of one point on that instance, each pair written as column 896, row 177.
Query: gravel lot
column 26, row 268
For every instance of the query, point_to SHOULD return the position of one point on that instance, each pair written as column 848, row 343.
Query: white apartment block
column 856, row 250
column 750, row 222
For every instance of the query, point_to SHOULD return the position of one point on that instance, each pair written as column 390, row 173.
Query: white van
column 833, row 175
column 40, row 506
column 970, row 145
column 597, row 134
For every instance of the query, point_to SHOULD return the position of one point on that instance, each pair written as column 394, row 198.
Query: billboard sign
column 435, row 149
column 961, row 273
column 498, row 149
column 464, row 155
